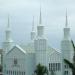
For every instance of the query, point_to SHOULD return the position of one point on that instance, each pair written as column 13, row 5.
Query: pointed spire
column 33, row 24
column 40, row 18
column 33, row 31
column 66, row 19
column 8, row 22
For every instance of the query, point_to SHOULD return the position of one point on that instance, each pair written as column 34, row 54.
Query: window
column 59, row 66
column 15, row 61
column 66, row 73
column 49, row 67
column 11, row 72
column 17, row 72
column 24, row 73
column 7, row 71
column 66, row 66
column 54, row 66
column 20, row 72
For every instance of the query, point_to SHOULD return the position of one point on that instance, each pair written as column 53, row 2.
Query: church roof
column 29, row 48
column 52, row 50
column 17, row 46
column 20, row 48
column 56, row 52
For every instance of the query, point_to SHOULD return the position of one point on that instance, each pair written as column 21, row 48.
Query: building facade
column 22, row 60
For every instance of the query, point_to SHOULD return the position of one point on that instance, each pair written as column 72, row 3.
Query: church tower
column 8, row 43
column 33, row 31
column 66, row 49
column 40, row 44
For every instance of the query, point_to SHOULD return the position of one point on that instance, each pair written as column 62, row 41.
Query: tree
column 41, row 70
column 71, row 65
column 0, row 68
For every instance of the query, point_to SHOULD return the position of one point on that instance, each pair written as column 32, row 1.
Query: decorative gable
column 16, row 51
column 55, row 57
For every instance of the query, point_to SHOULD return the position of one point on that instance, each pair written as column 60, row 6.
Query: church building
column 22, row 60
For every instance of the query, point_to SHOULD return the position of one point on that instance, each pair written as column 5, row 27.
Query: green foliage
column 41, row 70
column 71, row 65
column 73, row 45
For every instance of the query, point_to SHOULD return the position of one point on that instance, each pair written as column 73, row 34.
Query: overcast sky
column 21, row 15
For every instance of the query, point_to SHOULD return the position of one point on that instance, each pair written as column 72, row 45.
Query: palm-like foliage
column 71, row 65
column 41, row 70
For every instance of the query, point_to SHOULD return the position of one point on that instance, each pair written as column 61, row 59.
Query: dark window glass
column 15, row 61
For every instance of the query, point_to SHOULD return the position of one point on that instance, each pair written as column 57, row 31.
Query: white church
column 22, row 60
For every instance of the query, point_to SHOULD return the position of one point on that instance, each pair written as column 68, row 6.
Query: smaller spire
column 33, row 24
column 40, row 18
column 66, row 19
column 33, row 31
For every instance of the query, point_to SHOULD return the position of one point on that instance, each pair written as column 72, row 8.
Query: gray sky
column 21, row 14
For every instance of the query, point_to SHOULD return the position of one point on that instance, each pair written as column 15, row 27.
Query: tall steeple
column 40, row 43
column 66, row 29
column 8, row 22
column 66, row 24
column 40, row 17
column 8, row 43
column 8, row 32
column 33, row 31
column 40, row 27
column 66, row 47
column 33, row 24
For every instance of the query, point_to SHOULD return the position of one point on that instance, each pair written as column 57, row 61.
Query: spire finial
column 66, row 19
column 33, row 24
column 40, row 18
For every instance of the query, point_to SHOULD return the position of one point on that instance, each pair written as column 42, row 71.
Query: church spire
column 8, row 43
column 8, row 31
column 40, row 17
column 33, row 31
column 33, row 24
column 40, row 27
column 8, row 22
column 66, row 24
column 66, row 29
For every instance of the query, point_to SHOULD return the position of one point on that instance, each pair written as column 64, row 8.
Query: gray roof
column 29, row 48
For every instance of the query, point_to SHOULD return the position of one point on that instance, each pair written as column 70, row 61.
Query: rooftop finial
column 40, row 19
column 66, row 19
